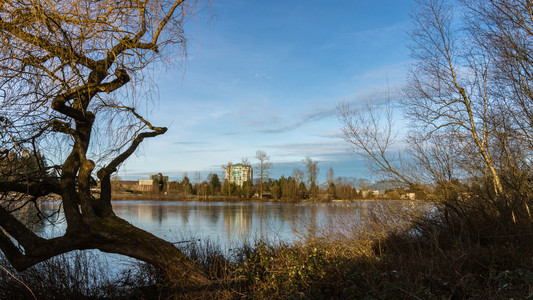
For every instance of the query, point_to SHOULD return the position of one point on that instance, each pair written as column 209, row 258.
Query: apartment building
column 238, row 174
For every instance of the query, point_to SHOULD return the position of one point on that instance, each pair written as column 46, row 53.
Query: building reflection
column 144, row 212
column 235, row 222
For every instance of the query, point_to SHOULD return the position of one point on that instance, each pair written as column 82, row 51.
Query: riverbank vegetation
column 382, row 255
column 282, row 189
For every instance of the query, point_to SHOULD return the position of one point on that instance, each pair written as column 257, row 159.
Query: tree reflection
column 234, row 222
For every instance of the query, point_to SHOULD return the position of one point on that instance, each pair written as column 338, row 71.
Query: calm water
column 228, row 223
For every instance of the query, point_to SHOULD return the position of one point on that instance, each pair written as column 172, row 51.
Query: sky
column 268, row 75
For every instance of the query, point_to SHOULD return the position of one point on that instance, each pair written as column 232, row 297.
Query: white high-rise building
column 239, row 173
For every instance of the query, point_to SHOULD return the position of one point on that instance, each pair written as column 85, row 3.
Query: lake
column 229, row 223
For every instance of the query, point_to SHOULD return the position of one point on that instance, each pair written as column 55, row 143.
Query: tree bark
column 115, row 235
column 60, row 59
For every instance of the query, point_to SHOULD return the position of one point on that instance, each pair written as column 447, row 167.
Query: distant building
column 238, row 174
column 370, row 193
column 159, row 177
column 157, row 181
column 409, row 196
column 145, row 185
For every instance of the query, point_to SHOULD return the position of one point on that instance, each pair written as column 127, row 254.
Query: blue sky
column 267, row 75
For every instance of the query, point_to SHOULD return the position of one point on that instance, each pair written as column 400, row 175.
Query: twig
column 181, row 242
column 27, row 287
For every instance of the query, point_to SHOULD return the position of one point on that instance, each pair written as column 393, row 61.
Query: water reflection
column 39, row 218
column 229, row 223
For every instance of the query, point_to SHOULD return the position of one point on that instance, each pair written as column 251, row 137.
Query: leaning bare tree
column 68, row 69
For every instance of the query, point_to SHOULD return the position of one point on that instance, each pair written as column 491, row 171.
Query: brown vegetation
column 381, row 254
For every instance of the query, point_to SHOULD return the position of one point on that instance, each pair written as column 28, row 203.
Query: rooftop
column 240, row 165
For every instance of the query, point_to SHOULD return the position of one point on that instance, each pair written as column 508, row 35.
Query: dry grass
column 387, row 251
column 79, row 274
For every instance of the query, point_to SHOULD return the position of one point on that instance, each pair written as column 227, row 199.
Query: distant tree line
column 300, row 185
column 289, row 188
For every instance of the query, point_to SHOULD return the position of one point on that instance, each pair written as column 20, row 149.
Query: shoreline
column 129, row 197
column 133, row 197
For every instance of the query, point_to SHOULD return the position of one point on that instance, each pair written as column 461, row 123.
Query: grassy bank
column 180, row 197
column 388, row 253
column 167, row 197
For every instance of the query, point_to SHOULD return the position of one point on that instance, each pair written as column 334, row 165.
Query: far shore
column 159, row 197
column 173, row 197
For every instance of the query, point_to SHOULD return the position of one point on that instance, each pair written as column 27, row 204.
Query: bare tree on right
column 311, row 169
column 263, row 167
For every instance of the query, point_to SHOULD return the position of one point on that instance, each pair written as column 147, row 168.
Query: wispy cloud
column 257, row 110
column 212, row 150
column 334, row 135
column 393, row 31
column 186, row 143
column 393, row 72
column 297, row 151
column 301, row 121
column 268, row 123
column 343, row 164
